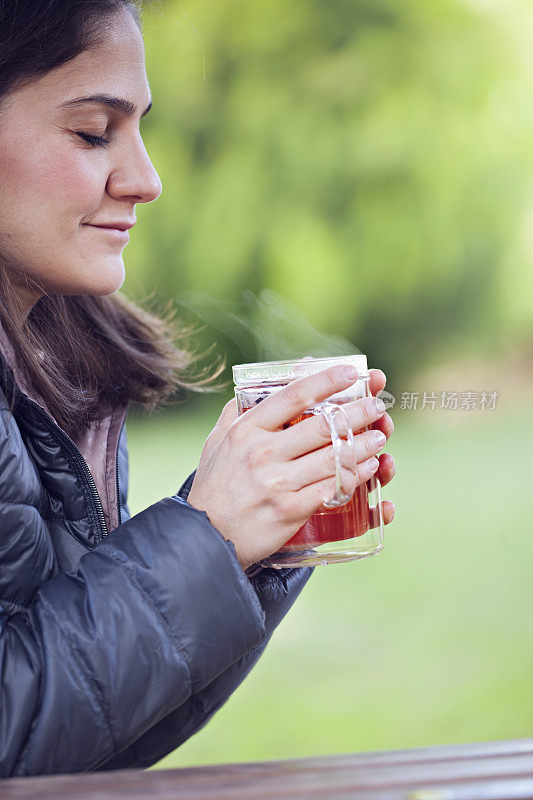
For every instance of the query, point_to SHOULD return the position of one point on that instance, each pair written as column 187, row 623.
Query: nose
column 135, row 177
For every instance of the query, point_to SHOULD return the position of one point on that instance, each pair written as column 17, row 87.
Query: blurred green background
column 358, row 174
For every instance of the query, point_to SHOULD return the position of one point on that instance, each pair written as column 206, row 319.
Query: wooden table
column 484, row 771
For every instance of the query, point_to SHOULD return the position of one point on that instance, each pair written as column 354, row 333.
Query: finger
column 298, row 396
column 226, row 419
column 385, row 425
column 387, row 468
column 311, row 497
column 314, row 432
column 228, row 414
column 378, row 379
column 321, row 464
column 387, row 511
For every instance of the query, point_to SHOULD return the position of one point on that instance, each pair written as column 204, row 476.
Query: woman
column 120, row 637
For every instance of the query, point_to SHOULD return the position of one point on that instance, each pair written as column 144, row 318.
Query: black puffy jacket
column 114, row 647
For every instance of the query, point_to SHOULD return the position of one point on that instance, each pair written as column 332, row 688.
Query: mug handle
column 331, row 413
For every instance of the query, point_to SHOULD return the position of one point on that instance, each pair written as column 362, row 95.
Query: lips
column 114, row 234
column 124, row 225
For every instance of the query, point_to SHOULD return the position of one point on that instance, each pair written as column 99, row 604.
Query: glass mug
column 347, row 527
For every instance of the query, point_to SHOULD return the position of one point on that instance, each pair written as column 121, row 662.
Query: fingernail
column 379, row 404
column 380, row 438
column 393, row 512
column 350, row 373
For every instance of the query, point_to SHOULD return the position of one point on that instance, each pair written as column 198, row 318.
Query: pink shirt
column 98, row 443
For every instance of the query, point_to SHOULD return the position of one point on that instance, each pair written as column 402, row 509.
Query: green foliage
column 368, row 160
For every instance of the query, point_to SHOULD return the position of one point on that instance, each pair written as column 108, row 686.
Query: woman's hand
column 259, row 483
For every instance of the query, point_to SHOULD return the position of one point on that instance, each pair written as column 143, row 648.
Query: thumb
column 228, row 416
column 226, row 419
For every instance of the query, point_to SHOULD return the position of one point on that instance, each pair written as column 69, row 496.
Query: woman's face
column 70, row 166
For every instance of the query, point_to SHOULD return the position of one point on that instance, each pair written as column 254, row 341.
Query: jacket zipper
column 80, row 462
column 119, row 521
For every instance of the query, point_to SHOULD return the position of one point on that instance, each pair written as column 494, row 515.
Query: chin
column 105, row 279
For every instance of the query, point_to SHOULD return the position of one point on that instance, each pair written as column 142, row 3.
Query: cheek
column 52, row 178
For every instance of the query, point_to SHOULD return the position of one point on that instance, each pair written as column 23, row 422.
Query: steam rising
column 265, row 327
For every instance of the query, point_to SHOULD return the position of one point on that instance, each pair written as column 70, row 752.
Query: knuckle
column 295, row 396
column 266, row 453
column 286, row 505
column 359, row 477
column 273, row 483
column 257, row 458
column 370, row 445
column 236, row 434
column 331, row 464
column 367, row 412
column 349, row 482
column 323, row 427
column 365, row 470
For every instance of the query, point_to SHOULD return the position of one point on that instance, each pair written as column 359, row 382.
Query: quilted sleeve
column 147, row 620
column 276, row 594
column 276, row 591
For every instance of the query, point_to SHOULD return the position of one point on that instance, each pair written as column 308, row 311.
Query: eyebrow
column 125, row 107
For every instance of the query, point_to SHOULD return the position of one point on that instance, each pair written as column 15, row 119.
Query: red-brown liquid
column 331, row 524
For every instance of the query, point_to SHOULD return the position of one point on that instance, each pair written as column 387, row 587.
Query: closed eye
column 93, row 140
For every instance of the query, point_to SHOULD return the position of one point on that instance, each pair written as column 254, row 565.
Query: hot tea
column 346, row 528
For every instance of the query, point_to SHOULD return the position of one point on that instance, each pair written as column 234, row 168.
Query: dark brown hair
column 81, row 353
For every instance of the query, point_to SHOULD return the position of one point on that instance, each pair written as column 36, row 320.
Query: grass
column 429, row 642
